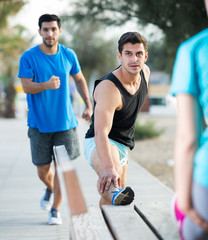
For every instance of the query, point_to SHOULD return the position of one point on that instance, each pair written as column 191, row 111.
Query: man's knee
column 43, row 170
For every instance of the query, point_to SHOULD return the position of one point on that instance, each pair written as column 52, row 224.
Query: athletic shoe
column 178, row 216
column 54, row 217
column 46, row 200
column 123, row 196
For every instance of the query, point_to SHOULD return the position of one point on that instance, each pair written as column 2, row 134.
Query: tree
column 97, row 56
column 7, row 9
column 12, row 44
column 178, row 19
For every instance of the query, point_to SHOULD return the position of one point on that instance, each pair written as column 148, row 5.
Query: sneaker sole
column 46, row 208
column 125, row 197
column 55, row 221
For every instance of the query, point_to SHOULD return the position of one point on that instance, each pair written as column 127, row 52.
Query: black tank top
column 124, row 119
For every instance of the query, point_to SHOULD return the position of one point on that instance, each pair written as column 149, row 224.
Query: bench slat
column 73, row 191
column 84, row 224
column 158, row 214
column 125, row 224
column 91, row 225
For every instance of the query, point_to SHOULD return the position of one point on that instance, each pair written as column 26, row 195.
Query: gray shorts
column 190, row 230
column 41, row 144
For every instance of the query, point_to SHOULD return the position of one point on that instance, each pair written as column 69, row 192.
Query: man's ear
column 119, row 57
column 146, row 56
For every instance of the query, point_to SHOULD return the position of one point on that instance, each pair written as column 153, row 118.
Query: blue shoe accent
column 124, row 196
column 115, row 193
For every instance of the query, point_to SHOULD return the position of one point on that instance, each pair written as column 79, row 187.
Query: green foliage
column 178, row 19
column 12, row 44
column 146, row 131
column 7, row 9
column 158, row 57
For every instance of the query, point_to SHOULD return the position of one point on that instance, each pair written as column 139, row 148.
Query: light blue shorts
column 89, row 146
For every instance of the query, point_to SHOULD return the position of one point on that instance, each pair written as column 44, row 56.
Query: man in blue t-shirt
column 44, row 71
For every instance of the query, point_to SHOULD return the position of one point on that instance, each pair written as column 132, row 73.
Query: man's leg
column 41, row 151
column 51, row 181
column 45, row 174
column 54, row 214
column 106, row 197
column 56, row 190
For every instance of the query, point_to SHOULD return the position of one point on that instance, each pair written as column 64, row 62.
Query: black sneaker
column 123, row 196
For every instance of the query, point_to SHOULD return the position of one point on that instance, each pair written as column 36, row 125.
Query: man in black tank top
column 118, row 98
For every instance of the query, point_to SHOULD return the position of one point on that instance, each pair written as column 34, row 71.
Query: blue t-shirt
column 190, row 76
column 50, row 110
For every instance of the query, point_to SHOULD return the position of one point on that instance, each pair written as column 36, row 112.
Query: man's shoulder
column 67, row 50
column 146, row 72
column 107, row 87
column 31, row 52
column 106, row 93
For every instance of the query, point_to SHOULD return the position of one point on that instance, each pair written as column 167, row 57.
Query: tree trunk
column 9, row 101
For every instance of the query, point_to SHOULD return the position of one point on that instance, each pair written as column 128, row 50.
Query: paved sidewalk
column 21, row 190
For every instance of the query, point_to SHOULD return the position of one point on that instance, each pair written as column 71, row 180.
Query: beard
column 49, row 44
column 133, row 71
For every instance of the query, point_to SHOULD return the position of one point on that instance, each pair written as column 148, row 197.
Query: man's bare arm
column 84, row 93
column 31, row 87
column 108, row 99
column 146, row 71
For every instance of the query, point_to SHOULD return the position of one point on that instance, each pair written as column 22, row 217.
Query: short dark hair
column 131, row 37
column 49, row 18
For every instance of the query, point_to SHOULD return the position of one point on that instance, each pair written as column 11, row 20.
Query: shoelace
column 54, row 212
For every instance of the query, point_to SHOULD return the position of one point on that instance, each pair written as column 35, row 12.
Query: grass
column 146, row 131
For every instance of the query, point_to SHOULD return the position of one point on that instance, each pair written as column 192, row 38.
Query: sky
column 28, row 16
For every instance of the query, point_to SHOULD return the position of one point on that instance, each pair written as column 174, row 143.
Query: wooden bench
column 144, row 220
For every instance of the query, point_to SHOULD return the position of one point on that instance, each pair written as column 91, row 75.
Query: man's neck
column 48, row 50
column 127, row 77
column 130, row 81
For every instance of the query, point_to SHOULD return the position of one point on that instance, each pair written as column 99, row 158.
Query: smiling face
column 133, row 57
column 50, row 33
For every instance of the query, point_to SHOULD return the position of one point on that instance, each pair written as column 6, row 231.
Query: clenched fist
column 53, row 82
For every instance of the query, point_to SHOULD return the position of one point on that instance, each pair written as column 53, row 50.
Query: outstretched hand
column 106, row 177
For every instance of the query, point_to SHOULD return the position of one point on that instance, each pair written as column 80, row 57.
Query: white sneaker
column 46, row 200
column 54, row 217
